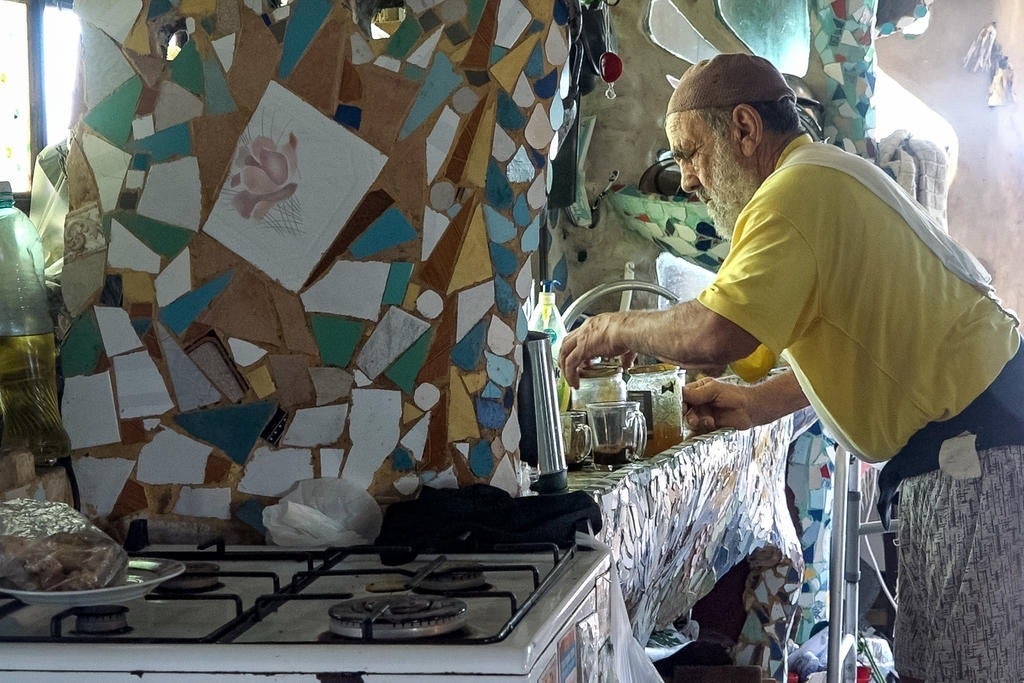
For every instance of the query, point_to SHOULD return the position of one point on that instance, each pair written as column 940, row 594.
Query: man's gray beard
column 734, row 186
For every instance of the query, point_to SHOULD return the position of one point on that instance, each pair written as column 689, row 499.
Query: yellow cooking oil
column 28, row 398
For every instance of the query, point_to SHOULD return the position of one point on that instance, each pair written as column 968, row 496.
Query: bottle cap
column 547, row 286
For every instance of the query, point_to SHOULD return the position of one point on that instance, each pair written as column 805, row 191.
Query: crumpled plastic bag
column 50, row 546
column 319, row 512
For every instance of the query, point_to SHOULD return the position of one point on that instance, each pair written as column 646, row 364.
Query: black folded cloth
column 480, row 516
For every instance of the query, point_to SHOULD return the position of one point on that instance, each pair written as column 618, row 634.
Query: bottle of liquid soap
column 546, row 318
column 28, row 357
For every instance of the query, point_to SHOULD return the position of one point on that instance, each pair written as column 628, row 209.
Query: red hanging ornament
column 610, row 66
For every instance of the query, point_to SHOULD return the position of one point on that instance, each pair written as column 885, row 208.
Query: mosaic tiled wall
column 297, row 251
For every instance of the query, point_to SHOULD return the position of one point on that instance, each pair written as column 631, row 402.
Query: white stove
column 340, row 615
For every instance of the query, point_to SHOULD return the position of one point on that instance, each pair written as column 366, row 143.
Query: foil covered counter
column 678, row 521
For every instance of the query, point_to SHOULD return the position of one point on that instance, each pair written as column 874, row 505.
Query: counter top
column 678, row 521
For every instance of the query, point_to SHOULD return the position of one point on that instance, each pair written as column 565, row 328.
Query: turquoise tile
column 251, row 512
column 497, row 52
column 475, row 11
column 401, row 460
column 163, row 238
column 187, row 69
column 413, row 72
column 336, row 338
column 481, row 462
column 466, row 353
column 168, row 143
column 504, row 260
column 500, row 370
column 531, row 237
column 390, row 229
column 509, row 115
column 521, row 211
column 405, row 37
column 522, row 324
column 140, row 162
column 492, row 390
column 233, row 429
column 536, row 26
column 535, row 64
column 141, row 325
column 498, row 190
column 397, row 284
column 305, row 20
column 406, row 368
column 180, row 313
column 218, row 96
column 82, row 346
column 112, row 117
column 158, row 7
column 499, row 228
column 505, row 296
column 438, row 86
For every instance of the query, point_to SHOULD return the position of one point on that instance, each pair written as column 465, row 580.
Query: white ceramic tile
column 192, row 389
column 204, row 502
column 524, row 280
column 556, row 114
column 426, row 396
column 175, row 105
column 329, row 170
column 452, row 11
column 537, row 195
column 106, row 67
column 330, row 383
column 520, row 168
column 330, row 462
column 143, row 127
column 225, row 49
column 108, row 165
column 422, row 55
column 190, row 25
column 502, row 146
column 523, row 92
column 434, row 225
column 245, row 353
column 416, row 438
column 556, row 47
column 445, row 479
column 473, row 304
column 173, row 458
column 513, row 18
column 88, row 411
column 500, row 337
column 373, row 428
column 113, row 17
column 464, row 100
column 388, row 62
column 420, row 6
column 407, row 485
column 175, row 279
column 141, row 391
column 360, row 378
column 361, row 50
column 510, row 434
column 392, row 337
column 318, row 426
column 100, row 481
column 505, row 478
column 538, row 128
column 172, row 193
column 439, row 142
column 273, row 472
column 350, row 288
column 429, row 304
column 134, row 179
column 116, row 330
column 150, row 423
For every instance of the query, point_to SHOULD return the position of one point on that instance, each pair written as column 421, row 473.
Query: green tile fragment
column 112, row 117
column 406, row 368
column 336, row 338
column 82, row 346
column 163, row 238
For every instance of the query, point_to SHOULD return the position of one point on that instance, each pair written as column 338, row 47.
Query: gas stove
column 512, row 613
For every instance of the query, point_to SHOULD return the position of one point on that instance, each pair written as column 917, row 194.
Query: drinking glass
column 619, row 431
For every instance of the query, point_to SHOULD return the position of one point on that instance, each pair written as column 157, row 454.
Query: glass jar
column 599, row 383
column 659, row 389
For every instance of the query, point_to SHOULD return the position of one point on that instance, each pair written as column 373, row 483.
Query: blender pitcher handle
column 640, row 429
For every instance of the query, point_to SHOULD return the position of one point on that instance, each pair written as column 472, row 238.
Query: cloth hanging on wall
column 979, row 54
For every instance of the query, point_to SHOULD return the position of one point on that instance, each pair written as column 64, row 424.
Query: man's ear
column 747, row 129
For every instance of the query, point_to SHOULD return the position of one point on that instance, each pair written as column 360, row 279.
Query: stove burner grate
column 97, row 620
column 198, row 577
column 390, row 617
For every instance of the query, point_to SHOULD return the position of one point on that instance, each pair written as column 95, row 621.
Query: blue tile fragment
column 401, row 460
column 492, row 390
column 439, row 84
column 499, row 228
column 390, row 229
column 545, row 87
column 233, row 429
column 521, row 211
column 305, row 20
column 504, row 260
column 509, row 115
column 500, row 370
column 180, row 313
column 535, row 64
column 251, row 513
column 348, row 115
column 218, row 95
column 398, row 281
column 489, row 414
column 466, row 353
column 481, row 462
column 166, row 144
column 504, row 296
column 531, row 236
column 497, row 188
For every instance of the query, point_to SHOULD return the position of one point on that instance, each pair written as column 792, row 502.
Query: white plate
column 143, row 575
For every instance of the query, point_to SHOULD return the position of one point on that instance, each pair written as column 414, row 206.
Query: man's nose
column 688, row 179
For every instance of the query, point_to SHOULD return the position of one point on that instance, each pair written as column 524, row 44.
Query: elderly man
column 890, row 331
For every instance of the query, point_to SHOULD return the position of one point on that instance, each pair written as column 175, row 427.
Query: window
column 38, row 69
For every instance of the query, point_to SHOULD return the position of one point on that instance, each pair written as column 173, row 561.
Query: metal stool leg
column 844, row 571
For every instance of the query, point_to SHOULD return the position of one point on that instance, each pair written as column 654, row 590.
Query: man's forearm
column 777, row 396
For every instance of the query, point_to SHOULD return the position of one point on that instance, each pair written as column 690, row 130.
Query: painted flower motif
column 266, row 175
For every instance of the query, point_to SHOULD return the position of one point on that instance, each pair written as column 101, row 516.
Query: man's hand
column 598, row 337
column 711, row 404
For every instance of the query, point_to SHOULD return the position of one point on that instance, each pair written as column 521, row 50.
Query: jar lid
column 600, row 370
column 651, row 369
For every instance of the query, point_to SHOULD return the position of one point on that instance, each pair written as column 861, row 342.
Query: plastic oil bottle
column 546, row 318
column 28, row 358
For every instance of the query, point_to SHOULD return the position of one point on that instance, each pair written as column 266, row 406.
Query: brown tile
column 437, row 271
column 385, row 107
column 219, row 134
column 257, row 53
column 292, row 319
column 132, row 431
column 245, row 310
column 479, row 56
column 318, row 74
column 217, row 468
column 132, row 499
column 459, row 155
column 291, row 375
column 350, row 90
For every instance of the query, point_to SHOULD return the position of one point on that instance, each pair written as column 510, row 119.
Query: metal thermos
column 541, row 443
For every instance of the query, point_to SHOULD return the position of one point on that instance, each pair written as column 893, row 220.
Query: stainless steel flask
column 541, row 443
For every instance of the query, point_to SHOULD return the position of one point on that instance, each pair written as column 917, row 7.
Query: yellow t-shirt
column 885, row 337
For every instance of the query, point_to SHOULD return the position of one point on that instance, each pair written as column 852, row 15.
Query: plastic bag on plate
column 318, row 512
column 50, row 546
